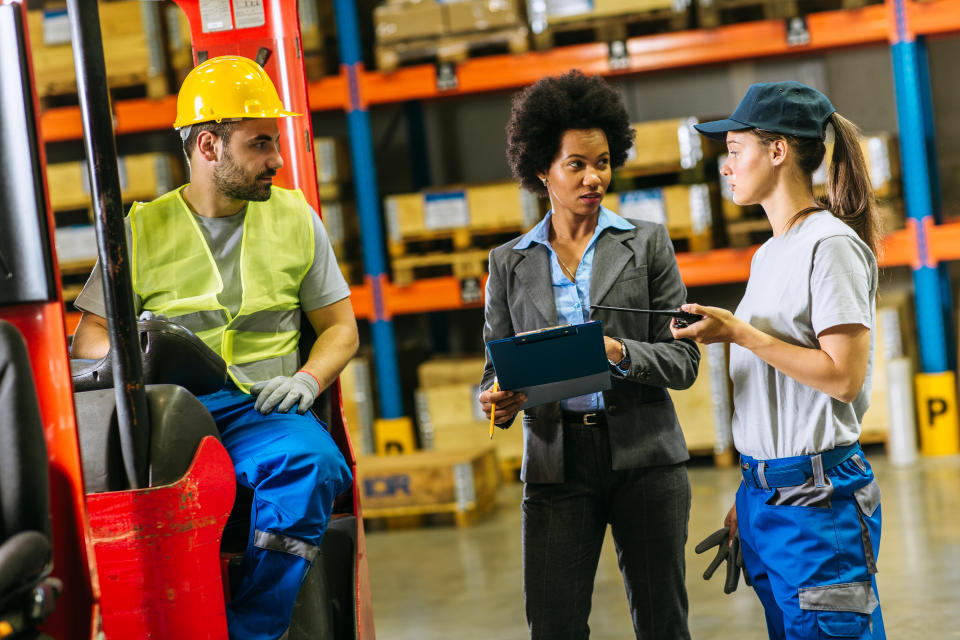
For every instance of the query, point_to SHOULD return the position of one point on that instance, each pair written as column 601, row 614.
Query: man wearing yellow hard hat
column 235, row 259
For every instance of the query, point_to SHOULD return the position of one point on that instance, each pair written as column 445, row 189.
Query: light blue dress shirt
column 572, row 299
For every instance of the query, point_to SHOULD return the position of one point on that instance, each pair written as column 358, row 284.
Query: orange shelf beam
column 943, row 241
column 828, row 30
column 720, row 266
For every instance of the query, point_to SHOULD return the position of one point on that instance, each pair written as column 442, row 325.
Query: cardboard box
column 881, row 153
column 686, row 210
column 894, row 338
column 142, row 177
column 484, row 207
column 444, row 370
column 666, row 144
column 356, row 392
column 395, row 23
column 502, row 205
column 134, row 51
column 624, row 7
column 705, row 410
column 469, row 16
column 404, row 215
column 332, row 159
column 428, row 482
column 449, row 417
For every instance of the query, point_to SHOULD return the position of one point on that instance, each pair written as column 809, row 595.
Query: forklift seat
column 177, row 366
column 171, row 355
column 27, row 594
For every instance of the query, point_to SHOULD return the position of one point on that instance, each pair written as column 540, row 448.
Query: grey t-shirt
column 815, row 276
column 322, row 285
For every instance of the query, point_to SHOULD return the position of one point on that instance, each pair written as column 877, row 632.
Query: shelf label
column 215, row 15
column 248, row 13
column 470, row 291
column 564, row 8
column 646, row 205
column 56, row 27
column 445, row 210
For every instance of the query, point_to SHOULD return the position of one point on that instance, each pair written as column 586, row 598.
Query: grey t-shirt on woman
column 817, row 275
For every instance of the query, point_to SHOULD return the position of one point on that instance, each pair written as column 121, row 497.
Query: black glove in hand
column 725, row 551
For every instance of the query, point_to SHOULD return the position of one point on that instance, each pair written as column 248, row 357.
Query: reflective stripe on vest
column 175, row 274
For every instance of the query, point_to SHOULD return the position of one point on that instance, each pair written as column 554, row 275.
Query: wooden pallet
column 609, row 28
column 451, row 240
column 418, row 519
column 466, row 263
column 747, row 232
column 713, row 13
column 452, row 49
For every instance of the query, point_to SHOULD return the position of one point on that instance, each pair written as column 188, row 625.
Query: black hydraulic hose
column 101, row 152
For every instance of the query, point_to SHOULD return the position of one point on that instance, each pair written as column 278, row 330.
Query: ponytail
column 849, row 190
column 849, row 195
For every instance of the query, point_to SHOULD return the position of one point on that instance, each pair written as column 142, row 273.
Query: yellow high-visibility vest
column 175, row 274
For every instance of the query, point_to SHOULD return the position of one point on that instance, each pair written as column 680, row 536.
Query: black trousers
column 563, row 529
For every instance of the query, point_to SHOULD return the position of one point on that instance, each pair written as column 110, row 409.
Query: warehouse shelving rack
column 923, row 245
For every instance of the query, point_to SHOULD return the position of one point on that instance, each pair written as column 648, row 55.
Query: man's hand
column 299, row 389
column 508, row 404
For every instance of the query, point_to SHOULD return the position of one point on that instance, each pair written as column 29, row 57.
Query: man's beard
column 231, row 180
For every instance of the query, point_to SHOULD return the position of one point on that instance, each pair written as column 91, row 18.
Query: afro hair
column 544, row 111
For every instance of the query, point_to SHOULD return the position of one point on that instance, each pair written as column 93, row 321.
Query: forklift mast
column 31, row 299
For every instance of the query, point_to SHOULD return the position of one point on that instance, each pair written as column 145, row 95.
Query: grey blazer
column 631, row 268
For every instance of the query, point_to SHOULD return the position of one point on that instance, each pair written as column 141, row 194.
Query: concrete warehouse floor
column 445, row 583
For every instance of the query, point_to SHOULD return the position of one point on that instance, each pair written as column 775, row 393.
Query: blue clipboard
column 552, row 364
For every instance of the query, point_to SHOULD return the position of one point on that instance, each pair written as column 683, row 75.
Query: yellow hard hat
column 227, row 87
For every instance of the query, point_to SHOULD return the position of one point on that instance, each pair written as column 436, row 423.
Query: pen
column 493, row 407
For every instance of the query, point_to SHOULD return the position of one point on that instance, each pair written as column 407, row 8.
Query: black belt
column 591, row 419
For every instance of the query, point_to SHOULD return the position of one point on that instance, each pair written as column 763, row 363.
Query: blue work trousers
column 295, row 470
column 811, row 550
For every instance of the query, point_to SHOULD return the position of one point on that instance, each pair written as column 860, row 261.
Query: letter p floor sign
column 937, row 413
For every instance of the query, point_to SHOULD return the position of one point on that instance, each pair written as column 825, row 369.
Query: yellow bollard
column 937, row 413
column 394, row 435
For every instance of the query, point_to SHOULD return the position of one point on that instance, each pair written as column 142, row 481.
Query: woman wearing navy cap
column 801, row 360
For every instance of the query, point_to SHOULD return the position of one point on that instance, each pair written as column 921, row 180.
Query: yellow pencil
column 493, row 408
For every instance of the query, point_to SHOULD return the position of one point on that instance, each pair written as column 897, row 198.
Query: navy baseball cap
column 791, row 108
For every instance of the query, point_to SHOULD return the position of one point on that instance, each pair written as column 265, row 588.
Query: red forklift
column 119, row 513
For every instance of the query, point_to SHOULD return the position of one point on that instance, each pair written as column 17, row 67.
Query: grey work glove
column 299, row 389
column 725, row 551
column 150, row 315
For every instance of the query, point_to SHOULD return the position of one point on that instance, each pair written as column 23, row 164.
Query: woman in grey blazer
column 607, row 458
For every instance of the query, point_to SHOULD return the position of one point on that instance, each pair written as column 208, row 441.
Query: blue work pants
column 811, row 550
column 296, row 471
